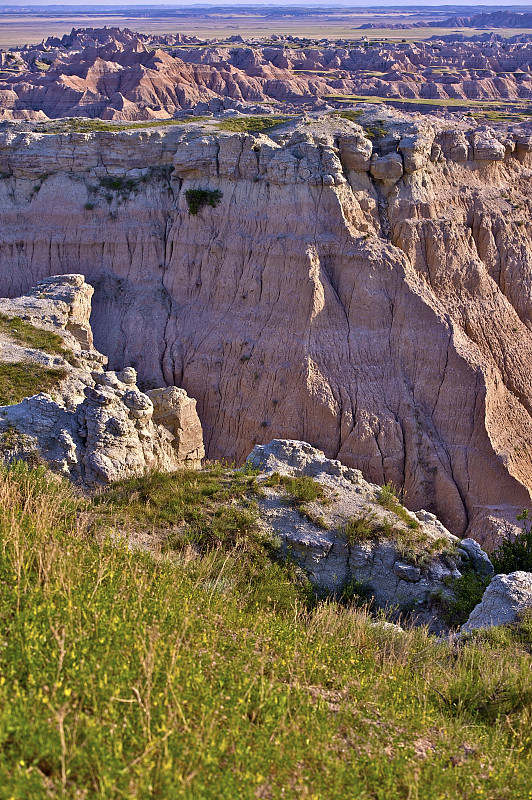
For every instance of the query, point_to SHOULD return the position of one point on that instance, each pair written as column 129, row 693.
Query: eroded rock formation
column 122, row 75
column 98, row 427
column 505, row 601
column 407, row 563
column 369, row 296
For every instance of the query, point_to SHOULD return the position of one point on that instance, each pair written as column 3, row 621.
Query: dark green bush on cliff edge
column 197, row 198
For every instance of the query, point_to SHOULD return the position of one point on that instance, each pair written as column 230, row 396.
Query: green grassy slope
column 184, row 676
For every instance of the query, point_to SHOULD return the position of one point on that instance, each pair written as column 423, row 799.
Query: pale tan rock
column 487, row 148
column 196, row 157
column 355, row 151
column 57, row 304
column 176, row 411
column 388, row 168
column 415, row 151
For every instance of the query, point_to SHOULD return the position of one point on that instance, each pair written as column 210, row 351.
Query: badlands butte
column 364, row 286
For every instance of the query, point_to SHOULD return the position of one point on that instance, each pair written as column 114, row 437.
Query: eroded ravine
column 284, row 310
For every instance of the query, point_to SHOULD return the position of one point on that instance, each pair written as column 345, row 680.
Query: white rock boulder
column 503, row 602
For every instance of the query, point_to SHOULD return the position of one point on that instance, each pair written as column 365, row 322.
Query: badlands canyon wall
column 369, row 295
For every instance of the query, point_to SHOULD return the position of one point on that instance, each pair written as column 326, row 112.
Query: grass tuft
column 252, row 124
column 301, row 488
column 353, row 115
column 360, row 529
column 376, row 130
column 386, row 497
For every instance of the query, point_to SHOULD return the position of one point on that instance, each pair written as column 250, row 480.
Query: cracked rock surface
column 98, row 427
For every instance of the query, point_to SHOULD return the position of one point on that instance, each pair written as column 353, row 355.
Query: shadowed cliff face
column 376, row 306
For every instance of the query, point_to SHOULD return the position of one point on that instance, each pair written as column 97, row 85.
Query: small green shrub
column 386, row 497
column 197, row 198
column 118, row 183
column 516, row 554
column 302, row 489
column 376, row 130
column 89, row 206
column 467, row 593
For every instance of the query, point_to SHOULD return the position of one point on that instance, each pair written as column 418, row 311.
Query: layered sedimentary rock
column 371, row 296
column 123, row 75
column 97, row 427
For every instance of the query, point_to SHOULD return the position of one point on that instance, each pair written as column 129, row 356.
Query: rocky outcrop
column 176, row 411
column 504, row 602
column 98, row 427
column 59, row 304
column 350, row 538
column 388, row 324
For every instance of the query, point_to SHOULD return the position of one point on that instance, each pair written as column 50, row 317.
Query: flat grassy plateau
column 207, row 671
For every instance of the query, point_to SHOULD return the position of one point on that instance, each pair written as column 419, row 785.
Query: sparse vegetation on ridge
column 24, row 378
column 82, row 125
column 353, row 115
column 251, row 124
column 26, row 334
column 125, row 676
